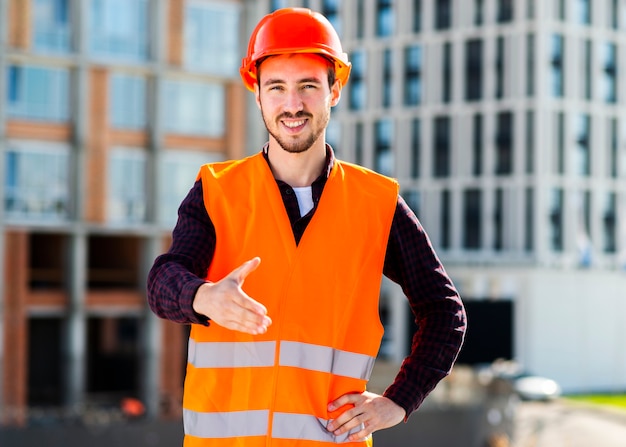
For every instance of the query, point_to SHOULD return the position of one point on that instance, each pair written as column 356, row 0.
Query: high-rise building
column 505, row 123
column 107, row 110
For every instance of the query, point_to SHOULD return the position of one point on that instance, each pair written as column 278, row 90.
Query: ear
column 335, row 93
column 257, row 94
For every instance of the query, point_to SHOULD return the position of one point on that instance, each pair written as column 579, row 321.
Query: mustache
column 300, row 114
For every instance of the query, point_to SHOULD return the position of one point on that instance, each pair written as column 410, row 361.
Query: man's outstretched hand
column 227, row 305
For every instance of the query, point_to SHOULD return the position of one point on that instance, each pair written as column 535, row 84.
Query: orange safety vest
column 322, row 295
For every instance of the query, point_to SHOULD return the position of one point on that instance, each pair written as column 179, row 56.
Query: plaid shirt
column 410, row 261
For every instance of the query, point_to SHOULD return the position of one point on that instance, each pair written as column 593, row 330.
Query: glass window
column 443, row 14
column 530, row 9
column 385, row 18
column 529, row 226
column 557, row 55
column 560, row 9
column 442, row 147
column 530, row 141
column 477, row 144
column 584, row 228
column 416, row 147
column 499, row 67
column 278, row 4
column 530, row 65
column 127, row 186
column 358, row 143
column 413, row 200
column 51, row 26
column 473, row 70
column 356, row 86
column 360, row 19
column 582, row 154
column 384, row 162
column 472, row 214
column 614, row 14
column 180, row 168
column 613, row 148
column 128, row 101
column 413, row 75
column 37, row 181
column 38, row 93
column 446, row 219
column 417, row 16
column 498, row 220
column 556, row 219
column 505, row 11
column 609, row 75
column 582, row 11
column 119, row 29
column 560, row 143
column 479, row 12
column 610, row 223
column 330, row 9
column 387, row 85
column 446, row 71
column 194, row 108
column 504, row 143
column 333, row 136
column 586, row 69
column 212, row 38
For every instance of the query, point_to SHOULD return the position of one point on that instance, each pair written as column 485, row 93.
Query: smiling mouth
column 294, row 124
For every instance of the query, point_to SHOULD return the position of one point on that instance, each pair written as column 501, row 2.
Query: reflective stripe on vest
column 255, row 423
column 226, row 425
column 299, row 355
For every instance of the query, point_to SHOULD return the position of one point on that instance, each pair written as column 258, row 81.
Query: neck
column 297, row 169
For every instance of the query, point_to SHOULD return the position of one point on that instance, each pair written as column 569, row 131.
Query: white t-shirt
column 305, row 199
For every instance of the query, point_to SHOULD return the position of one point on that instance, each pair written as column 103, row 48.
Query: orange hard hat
column 293, row 30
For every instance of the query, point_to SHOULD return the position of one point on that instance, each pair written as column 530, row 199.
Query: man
column 277, row 260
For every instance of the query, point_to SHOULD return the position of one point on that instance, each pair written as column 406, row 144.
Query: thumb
column 242, row 272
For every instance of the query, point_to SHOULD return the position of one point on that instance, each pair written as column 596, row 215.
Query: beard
column 298, row 144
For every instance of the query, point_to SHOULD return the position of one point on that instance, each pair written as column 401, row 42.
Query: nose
column 293, row 101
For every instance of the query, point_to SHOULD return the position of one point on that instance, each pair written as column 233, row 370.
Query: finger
column 241, row 272
column 351, row 398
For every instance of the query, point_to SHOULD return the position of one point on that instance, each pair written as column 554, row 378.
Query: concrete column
column 75, row 335
column 151, row 340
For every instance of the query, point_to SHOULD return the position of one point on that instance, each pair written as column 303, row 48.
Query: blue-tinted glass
column 14, row 84
column 212, row 38
column 583, row 11
column 385, row 18
column 413, row 74
column 557, row 64
column 51, row 28
column 119, row 29
column 128, row 102
column 38, row 93
column 358, row 92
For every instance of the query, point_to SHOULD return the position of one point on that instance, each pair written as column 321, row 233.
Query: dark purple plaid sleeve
column 176, row 275
column 439, row 313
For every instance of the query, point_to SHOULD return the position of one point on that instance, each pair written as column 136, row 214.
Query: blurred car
column 531, row 387
column 526, row 385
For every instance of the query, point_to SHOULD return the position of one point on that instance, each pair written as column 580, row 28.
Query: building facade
column 107, row 110
column 502, row 120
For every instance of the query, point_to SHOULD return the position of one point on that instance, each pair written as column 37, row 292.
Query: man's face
column 295, row 99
